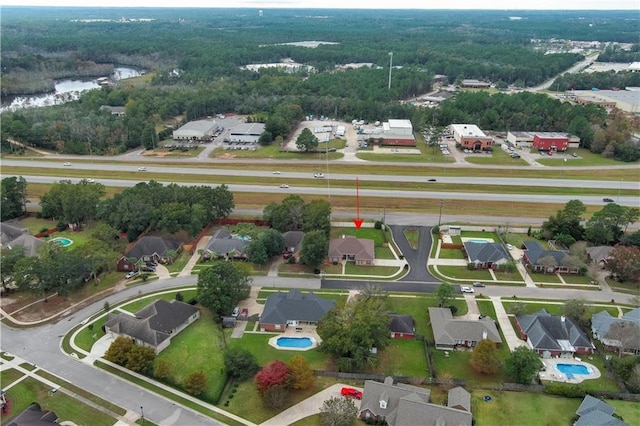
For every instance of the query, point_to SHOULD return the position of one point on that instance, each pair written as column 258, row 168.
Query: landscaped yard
column 418, row 308
column 458, row 366
column 522, row 408
column 451, row 254
column 463, row 273
column 135, row 306
column 382, row 271
column 199, row 347
column 576, row 279
column 403, row 357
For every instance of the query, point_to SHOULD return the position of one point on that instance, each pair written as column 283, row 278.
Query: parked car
column 478, row 284
column 148, row 269
column 608, row 200
column 351, row 393
column 131, row 274
column 287, row 255
column 236, row 311
column 574, row 155
column 467, row 289
column 510, row 247
column 244, row 313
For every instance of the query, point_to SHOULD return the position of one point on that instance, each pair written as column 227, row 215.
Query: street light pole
column 390, row 66
column 440, row 215
column 142, row 413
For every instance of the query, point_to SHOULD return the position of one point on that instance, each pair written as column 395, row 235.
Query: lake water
column 65, row 91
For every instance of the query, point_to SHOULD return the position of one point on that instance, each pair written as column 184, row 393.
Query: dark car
column 432, row 180
column 148, row 269
column 608, row 200
column 478, row 284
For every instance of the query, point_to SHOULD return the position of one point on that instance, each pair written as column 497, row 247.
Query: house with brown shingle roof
column 406, row 405
column 449, row 332
column 347, row 247
column 155, row 324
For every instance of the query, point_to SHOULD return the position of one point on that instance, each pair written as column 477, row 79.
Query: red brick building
column 550, row 142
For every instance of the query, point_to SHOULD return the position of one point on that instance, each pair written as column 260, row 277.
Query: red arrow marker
column 357, row 221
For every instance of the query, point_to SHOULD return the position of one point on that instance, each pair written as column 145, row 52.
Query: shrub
column 62, row 225
column 571, row 391
column 192, row 301
column 43, row 230
column 179, row 297
column 377, row 225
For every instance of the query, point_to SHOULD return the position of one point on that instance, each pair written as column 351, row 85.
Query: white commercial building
column 398, row 127
column 246, row 133
column 196, row 130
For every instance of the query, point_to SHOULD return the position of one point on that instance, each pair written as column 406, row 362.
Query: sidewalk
column 186, row 271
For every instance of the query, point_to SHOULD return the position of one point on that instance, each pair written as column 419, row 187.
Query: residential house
column 149, row 249
column 406, row 405
column 347, row 247
column 596, row 412
column 292, row 309
column 625, row 334
column 114, row 110
column 599, row 255
column 486, row 255
column 155, row 324
column 33, row 415
column 553, row 336
column 546, row 261
column 12, row 234
column 293, row 241
column 402, row 326
column 223, row 245
column 450, row 333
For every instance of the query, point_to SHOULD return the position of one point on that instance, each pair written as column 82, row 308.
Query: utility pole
column 440, row 215
column 390, row 66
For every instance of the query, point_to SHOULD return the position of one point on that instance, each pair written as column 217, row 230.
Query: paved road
column 417, row 258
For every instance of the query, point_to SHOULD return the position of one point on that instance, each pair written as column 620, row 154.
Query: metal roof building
column 195, row 130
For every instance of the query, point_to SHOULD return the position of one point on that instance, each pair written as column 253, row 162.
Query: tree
column 353, row 346
column 523, row 365
column 577, row 310
column 163, row 369
column 275, row 397
column 316, row 215
column 276, row 373
column 222, row 285
column 286, row 216
column 13, row 197
column 306, row 141
column 140, row 359
column 625, row 334
column 195, row 383
column 240, row 363
column 566, row 221
column 444, row 293
column 485, row 358
column 301, row 373
column 315, row 246
column 624, row 262
column 72, row 203
column 10, row 257
column 337, row 411
column 118, row 351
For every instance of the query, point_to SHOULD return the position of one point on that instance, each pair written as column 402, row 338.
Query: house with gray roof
column 402, row 326
column 406, row 405
column 450, row 333
column 155, row 324
column 12, row 234
column 293, row 308
column 293, row 241
column 596, row 412
column 619, row 334
column 553, row 336
column 486, row 255
column 149, row 248
column 34, row 415
column 546, row 261
column 599, row 255
column 224, row 245
column 359, row 250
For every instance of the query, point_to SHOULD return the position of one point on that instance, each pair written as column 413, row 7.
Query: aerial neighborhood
column 229, row 226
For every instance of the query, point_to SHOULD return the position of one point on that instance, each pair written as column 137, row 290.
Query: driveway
column 416, row 258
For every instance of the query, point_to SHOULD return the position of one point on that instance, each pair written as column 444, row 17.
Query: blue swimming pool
column 573, row 369
column 294, row 342
column 62, row 241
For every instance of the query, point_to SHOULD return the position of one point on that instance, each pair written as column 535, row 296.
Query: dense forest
column 194, row 59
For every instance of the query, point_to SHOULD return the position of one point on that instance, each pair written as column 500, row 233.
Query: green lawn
column 179, row 264
column 66, row 407
column 586, row 158
column 629, row 411
column 138, row 304
column 403, row 358
column 451, row 254
column 413, row 237
column 418, row 308
column 9, row 376
column 522, row 408
column 382, row 252
column 199, row 347
column 509, row 276
column 577, row 279
column 369, row 233
column 458, row 366
column 461, row 272
column 258, row 344
column 86, row 338
column 545, row 278
column 497, row 157
column 383, row 271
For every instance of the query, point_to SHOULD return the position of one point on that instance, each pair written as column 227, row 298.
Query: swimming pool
column 62, row 241
column 570, row 369
column 294, row 342
column 479, row 241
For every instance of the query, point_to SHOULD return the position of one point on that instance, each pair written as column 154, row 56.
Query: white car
column 91, row 180
column 510, row 247
column 318, row 175
column 67, row 164
column 466, row 289
column 276, row 172
column 284, row 185
column 131, row 275
column 142, row 169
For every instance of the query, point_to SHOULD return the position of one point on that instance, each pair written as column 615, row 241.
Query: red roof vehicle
column 351, row 393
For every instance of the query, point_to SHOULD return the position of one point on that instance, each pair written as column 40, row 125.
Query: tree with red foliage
column 273, row 374
column 624, row 262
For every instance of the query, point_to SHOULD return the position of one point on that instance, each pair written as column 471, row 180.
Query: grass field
column 521, row 408
column 403, row 358
column 66, row 407
column 461, row 272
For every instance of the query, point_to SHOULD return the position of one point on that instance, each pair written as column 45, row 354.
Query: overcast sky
column 352, row 4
